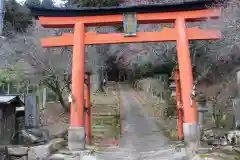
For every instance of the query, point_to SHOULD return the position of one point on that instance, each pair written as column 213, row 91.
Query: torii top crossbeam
column 66, row 18
column 97, row 16
column 193, row 5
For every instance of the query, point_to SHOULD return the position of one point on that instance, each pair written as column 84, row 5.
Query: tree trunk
column 62, row 102
column 56, row 89
column 97, row 82
column 100, row 81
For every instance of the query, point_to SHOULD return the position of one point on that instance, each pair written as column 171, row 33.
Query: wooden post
column 237, row 102
column 76, row 135
column 238, row 81
column 186, row 79
column 179, row 105
column 44, row 97
column 8, row 91
column 1, row 123
column 88, row 106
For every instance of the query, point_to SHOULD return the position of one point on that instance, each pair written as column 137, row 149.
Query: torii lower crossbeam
column 167, row 34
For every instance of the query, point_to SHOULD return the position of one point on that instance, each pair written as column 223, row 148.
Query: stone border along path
column 142, row 139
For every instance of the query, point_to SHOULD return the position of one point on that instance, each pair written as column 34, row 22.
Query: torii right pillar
column 190, row 125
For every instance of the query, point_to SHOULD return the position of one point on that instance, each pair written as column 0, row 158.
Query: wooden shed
column 8, row 106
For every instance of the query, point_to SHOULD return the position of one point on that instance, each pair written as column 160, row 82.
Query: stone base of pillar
column 76, row 138
column 191, row 132
column 87, row 141
column 191, row 137
column 181, row 139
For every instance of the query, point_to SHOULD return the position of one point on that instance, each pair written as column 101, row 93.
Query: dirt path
column 142, row 139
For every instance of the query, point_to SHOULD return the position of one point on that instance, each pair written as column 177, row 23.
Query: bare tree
column 50, row 67
column 214, row 57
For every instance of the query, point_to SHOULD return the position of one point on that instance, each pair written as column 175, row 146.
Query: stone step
column 103, row 126
column 105, row 114
column 104, row 109
column 104, row 122
column 97, row 130
column 103, row 117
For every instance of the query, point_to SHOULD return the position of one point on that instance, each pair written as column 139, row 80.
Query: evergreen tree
column 33, row 2
column 17, row 17
column 47, row 3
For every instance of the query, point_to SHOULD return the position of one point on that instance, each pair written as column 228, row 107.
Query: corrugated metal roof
column 15, row 100
column 6, row 99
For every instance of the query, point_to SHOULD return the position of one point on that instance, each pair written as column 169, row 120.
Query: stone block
column 74, row 155
column 42, row 152
column 197, row 157
column 191, row 132
column 85, row 155
column 17, row 150
column 32, row 136
column 76, row 138
column 57, row 157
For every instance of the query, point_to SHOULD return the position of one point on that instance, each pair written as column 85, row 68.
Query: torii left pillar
column 76, row 135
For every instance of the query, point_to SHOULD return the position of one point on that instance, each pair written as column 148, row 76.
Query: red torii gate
column 82, row 18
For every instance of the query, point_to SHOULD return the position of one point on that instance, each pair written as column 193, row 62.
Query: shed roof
column 11, row 99
column 95, row 11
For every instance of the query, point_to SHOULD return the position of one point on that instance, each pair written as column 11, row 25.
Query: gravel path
column 142, row 139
